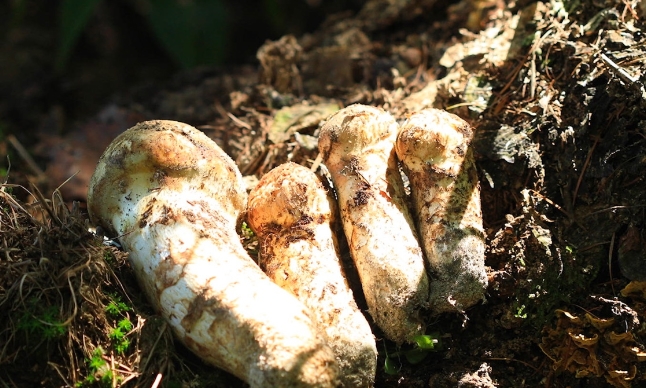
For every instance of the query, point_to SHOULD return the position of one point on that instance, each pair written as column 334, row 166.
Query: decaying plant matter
column 173, row 198
column 433, row 146
column 294, row 216
column 587, row 345
column 357, row 144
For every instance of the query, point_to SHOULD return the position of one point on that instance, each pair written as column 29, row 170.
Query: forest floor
column 555, row 93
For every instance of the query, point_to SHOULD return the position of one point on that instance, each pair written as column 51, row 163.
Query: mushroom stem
column 433, row 146
column 293, row 215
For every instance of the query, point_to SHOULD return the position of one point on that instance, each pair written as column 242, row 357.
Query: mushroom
column 173, row 199
column 357, row 146
column 433, row 146
column 293, row 216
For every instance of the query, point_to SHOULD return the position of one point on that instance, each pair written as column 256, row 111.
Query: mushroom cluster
column 174, row 200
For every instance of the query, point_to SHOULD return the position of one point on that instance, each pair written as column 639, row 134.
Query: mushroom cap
column 280, row 201
column 160, row 154
column 356, row 128
column 434, row 139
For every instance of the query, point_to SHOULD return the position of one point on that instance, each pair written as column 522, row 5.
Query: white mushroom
column 294, row 216
column 433, row 146
column 173, row 198
column 357, row 146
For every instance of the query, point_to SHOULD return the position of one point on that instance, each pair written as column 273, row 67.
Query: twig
column 40, row 174
column 556, row 205
column 238, row 122
column 623, row 74
column 612, row 246
column 157, row 381
column 317, row 162
column 585, row 167
column 44, row 204
column 611, row 208
column 152, row 350
column 60, row 374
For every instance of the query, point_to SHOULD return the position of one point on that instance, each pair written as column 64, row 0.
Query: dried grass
column 64, row 313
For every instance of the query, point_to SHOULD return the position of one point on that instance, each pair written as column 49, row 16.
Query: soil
column 555, row 93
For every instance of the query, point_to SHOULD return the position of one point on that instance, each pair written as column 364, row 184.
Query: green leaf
column 125, row 324
column 416, row 356
column 74, row 16
column 192, row 32
column 390, row 367
column 428, row 342
column 116, row 334
column 45, row 323
column 116, row 306
column 96, row 362
column 122, row 346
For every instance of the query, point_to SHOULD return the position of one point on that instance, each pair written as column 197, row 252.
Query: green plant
column 191, row 32
column 116, row 307
column 423, row 345
column 118, row 335
column 249, row 240
column 75, row 14
column 100, row 371
column 108, row 257
column 520, row 312
column 247, row 232
column 42, row 322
